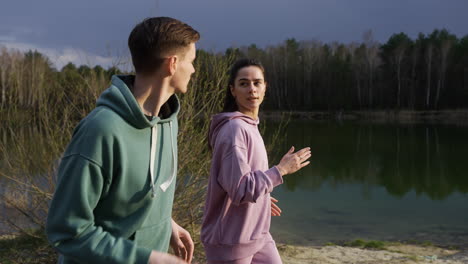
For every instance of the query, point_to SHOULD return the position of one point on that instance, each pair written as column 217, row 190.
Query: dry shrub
column 37, row 124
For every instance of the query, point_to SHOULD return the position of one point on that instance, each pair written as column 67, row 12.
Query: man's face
column 184, row 70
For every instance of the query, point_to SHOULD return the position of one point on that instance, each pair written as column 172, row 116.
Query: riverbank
column 455, row 116
column 391, row 253
column 21, row 249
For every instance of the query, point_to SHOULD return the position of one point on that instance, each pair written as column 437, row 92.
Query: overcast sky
column 90, row 32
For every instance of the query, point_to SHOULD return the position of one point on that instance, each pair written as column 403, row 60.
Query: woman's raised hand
column 292, row 162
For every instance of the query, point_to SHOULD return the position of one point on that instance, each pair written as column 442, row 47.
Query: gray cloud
column 61, row 57
column 102, row 27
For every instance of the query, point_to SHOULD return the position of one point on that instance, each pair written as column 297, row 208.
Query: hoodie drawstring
column 154, row 133
column 166, row 184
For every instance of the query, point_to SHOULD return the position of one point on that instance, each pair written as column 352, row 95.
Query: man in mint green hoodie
column 116, row 180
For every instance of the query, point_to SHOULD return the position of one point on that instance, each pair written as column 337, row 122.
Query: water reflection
column 375, row 181
column 427, row 159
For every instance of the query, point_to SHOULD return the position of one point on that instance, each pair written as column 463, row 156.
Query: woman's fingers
column 306, row 156
column 301, row 153
column 292, row 162
column 275, row 210
column 305, row 164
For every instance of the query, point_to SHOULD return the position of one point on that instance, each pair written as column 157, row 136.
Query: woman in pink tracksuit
column 238, row 209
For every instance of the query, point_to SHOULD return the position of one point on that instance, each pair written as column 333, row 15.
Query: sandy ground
column 405, row 254
column 394, row 253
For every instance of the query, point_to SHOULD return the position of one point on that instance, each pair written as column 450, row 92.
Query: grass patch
column 425, row 243
column 413, row 258
column 287, row 249
column 19, row 249
column 451, row 247
column 370, row 244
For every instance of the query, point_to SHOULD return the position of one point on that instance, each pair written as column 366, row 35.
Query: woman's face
column 249, row 89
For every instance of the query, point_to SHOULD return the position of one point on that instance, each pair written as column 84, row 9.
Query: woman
column 238, row 207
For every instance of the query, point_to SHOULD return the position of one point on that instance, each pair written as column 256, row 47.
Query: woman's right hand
column 292, row 162
column 164, row 258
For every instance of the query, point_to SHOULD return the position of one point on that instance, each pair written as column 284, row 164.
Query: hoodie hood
column 120, row 99
column 219, row 120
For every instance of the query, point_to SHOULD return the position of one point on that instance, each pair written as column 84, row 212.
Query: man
column 116, row 181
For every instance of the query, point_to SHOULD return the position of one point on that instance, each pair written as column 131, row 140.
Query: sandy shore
column 24, row 250
column 398, row 253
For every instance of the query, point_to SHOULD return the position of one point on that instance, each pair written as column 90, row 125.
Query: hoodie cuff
column 275, row 176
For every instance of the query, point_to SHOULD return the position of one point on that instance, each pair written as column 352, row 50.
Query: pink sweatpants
column 267, row 255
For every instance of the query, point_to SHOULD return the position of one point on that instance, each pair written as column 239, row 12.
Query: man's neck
column 151, row 93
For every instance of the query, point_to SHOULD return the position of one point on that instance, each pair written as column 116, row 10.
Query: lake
column 375, row 181
column 365, row 180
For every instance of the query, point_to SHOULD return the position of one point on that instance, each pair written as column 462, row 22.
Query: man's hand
column 181, row 242
column 275, row 210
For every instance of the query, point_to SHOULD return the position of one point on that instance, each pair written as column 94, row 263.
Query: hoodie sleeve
column 237, row 178
column 70, row 224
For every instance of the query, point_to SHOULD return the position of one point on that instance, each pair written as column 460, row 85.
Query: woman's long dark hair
column 230, row 104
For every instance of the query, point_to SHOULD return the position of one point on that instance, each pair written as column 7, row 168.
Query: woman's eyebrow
column 246, row 79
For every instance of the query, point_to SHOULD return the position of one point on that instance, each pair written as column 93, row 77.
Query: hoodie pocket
column 155, row 237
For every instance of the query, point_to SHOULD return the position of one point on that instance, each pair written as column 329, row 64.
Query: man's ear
column 173, row 62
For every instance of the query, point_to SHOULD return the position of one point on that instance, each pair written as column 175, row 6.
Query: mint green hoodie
column 105, row 208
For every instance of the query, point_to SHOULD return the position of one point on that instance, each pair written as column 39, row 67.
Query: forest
column 429, row 72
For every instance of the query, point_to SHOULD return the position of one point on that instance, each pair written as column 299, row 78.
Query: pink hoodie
column 237, row 214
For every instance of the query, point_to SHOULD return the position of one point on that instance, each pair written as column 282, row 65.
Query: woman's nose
column 252, row 88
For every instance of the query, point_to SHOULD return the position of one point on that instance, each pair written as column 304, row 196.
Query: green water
column 368, row 181
column 375, row 181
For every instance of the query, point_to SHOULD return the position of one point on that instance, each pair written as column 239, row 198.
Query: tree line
column 429, row 72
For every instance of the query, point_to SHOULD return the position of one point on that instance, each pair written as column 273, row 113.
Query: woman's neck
column 252, row 113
